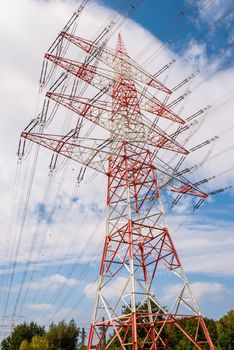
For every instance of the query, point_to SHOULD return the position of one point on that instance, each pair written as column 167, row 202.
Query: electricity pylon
column 138, row 247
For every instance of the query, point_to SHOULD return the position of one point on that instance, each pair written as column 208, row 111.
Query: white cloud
column 40, row 307
column 112, row 290
column 53, row 281
column 200, row 290
column 62, row 279
column 57, row 233
column 220, row 262
column 206, row 289
column 26, row 33
column 210, row 11
column 195, row 53
column 204, row 245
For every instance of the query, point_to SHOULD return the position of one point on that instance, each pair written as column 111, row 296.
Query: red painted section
column 137, row 241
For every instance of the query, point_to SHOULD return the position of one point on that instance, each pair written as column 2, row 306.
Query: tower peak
column 120, row 47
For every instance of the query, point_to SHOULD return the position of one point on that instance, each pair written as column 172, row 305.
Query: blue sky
column 59, row 248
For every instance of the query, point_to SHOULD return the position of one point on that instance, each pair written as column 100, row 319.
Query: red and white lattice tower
column 138, row 247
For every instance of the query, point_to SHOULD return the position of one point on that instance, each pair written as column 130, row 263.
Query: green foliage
column 221, row 332
column 225, row 330
column 63, row 336
column 212, row 328
column 22, row 332
column 25, row 345
column 37, row 343
column 142, row 332
column 179, row 341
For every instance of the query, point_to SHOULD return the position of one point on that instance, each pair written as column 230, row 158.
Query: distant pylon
column 138, row 247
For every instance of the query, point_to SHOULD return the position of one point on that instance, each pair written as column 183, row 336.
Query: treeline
column 31, row 336
column 68, row 336
column 221, row 332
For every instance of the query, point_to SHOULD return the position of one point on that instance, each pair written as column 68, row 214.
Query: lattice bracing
column 138, row 247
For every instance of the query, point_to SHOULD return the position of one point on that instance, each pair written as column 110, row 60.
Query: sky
column 52, row 228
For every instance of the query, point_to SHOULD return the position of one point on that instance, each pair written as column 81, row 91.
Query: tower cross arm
column 178, row 183
column 155, row 106
column 108, row 56
column 96, row 112
column 103, row 79
column 158, row 138
column 100, row 78
column 138, row 252
column 92, row 153
column 101, row 114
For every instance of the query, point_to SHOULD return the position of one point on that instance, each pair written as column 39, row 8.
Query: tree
column 24, row 345
column 142, row 332
column 180, row 342
column 176, row 338
column 22, row 332
column 63, row 336
column 212, row 328
column 225, row 328
column 37, row 343
column 33, row 337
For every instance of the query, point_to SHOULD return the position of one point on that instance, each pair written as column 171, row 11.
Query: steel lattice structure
column 138, row 246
